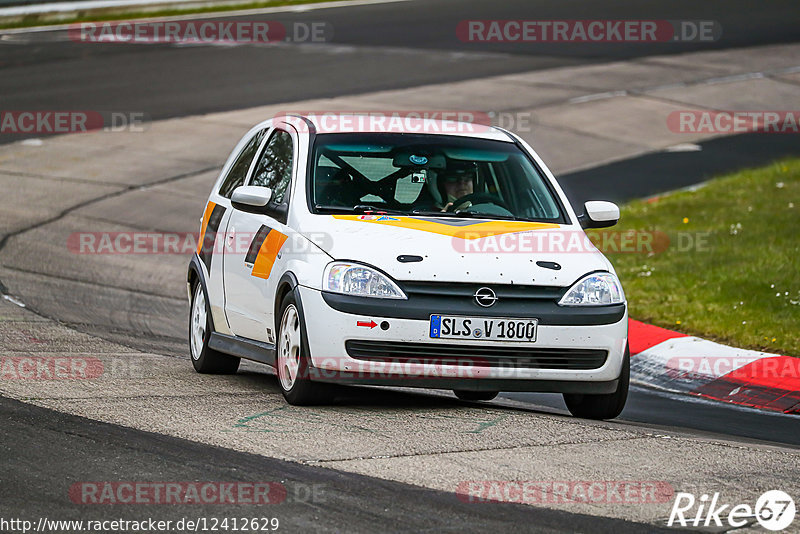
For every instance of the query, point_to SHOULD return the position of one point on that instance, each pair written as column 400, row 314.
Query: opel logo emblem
column 485, row 297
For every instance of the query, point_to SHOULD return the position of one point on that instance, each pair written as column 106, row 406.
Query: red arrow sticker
column 371, row 323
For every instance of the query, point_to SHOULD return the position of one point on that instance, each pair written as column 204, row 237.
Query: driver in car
column 457, row 181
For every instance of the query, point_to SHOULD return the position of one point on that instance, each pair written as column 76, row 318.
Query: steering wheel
column 475, row 198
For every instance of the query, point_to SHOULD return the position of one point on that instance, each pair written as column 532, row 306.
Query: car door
column 254, row 242
column 215, row 220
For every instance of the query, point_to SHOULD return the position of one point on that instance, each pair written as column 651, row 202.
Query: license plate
column 483, row 328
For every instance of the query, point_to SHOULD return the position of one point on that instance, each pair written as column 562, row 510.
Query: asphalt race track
column 406, row 44
column 356, row 501
column 384, row 46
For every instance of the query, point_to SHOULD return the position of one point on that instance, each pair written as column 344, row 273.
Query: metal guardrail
column 8, row 3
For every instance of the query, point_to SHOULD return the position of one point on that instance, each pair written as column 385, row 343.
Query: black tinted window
column 238, row 171
column 274, row 169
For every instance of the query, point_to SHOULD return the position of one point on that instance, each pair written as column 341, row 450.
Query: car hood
column 459, row 250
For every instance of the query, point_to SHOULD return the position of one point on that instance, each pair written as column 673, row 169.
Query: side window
column 274, row 169
column 238, row 171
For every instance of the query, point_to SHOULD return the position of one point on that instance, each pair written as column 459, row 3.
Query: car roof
column 434, row 123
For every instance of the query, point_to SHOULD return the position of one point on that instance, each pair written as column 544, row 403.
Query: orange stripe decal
column 209, row 208
column 267, row 254
column 446, row 227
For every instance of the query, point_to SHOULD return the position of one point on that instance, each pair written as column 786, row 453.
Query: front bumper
column 328, row 331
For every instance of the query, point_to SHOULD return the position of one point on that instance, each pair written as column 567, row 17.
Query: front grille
column 475, row 355
column 504, row 292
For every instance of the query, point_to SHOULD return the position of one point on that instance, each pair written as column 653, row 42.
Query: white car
column 438, row 255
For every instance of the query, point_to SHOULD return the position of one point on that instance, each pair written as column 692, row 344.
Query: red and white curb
column 672, row 361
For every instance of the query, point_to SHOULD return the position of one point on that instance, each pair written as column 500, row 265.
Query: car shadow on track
column 387, row 398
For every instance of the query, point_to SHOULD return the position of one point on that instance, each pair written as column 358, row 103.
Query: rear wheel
column 475, row 395
column 607, row 406
column 204, row 358
column 293, row 361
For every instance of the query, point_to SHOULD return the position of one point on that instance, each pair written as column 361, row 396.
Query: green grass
column 117, row 13
column 743, row 287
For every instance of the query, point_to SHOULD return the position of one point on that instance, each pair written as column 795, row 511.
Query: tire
column 204, row 358
column 607, row 406
column 292, row 358
column 466, row 395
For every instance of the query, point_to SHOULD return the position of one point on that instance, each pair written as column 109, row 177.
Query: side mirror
column 599, row 214
column 251, row 198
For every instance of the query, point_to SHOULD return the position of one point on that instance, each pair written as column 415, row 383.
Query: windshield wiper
column 466, row 215
column 361, row 208
column 437, row 213
column 470, row 215
column 366, row 208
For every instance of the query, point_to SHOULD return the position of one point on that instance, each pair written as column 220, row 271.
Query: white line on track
column 597, row 96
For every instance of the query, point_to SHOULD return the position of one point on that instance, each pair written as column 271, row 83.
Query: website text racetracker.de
column 198, row 524
column 694, row 121
column 588, row 31
column 466, row 241
column 207, row 492
column 71, row 121
column 388, row 121
column 577, row 241
column 205, row 31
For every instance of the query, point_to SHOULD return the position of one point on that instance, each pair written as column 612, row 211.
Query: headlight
column 598, row 289
column 360, row 281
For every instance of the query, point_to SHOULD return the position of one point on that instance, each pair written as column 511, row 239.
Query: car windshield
column 431, row 175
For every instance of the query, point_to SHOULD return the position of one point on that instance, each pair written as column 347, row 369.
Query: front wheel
column 607, row 406
column 293, row 360
column 204, row 358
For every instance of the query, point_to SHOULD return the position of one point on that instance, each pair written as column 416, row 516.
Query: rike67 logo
column 774, row 510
